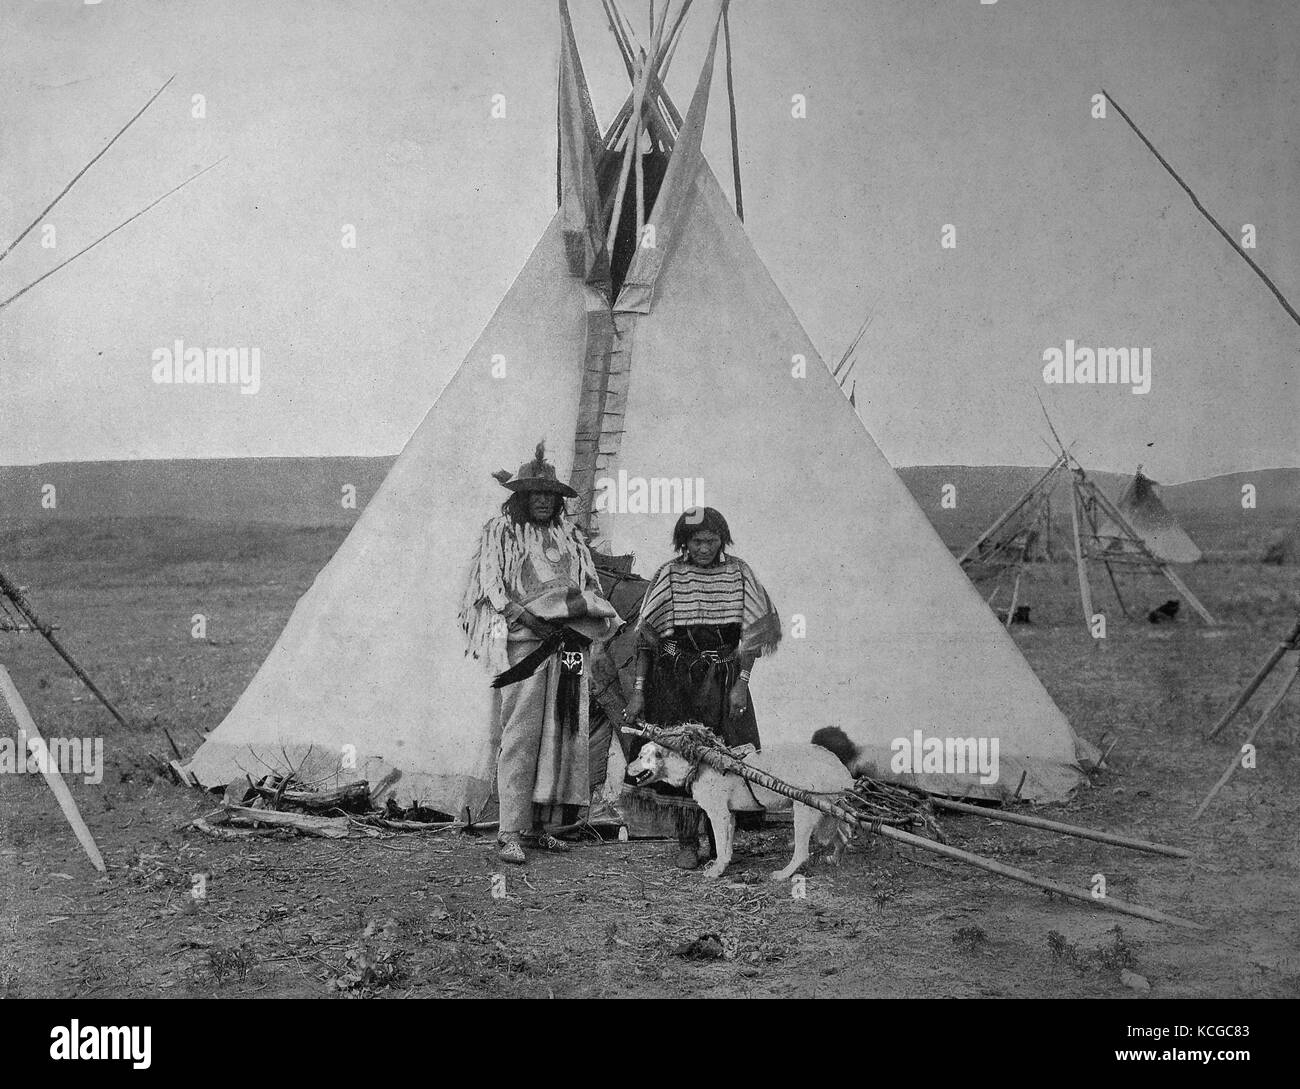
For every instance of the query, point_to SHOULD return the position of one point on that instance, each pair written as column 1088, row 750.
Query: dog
column 811, row 767
column 1165, row 613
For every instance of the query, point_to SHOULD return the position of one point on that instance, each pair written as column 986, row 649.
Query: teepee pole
column 60, row 789
column 639, row 159
column 633, row 151
column 1277, row 294
column 1031, row 821
column 731, row 103
column 86, row 249
column 77, row 177
column 1085, row 591
column 14, row 593
column 1115, row 515
column 726, row 763
column 624, row 50
column 1235, row 762
column 1115, row 586
column 628, row 152
column 1110, row 574
column 663, row 59
column 1011, row 511
column 1291, row 642
column 1179, row 585
column 1015, row 596
column 629, row 31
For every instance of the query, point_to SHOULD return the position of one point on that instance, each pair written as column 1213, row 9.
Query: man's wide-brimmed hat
column 537, row 475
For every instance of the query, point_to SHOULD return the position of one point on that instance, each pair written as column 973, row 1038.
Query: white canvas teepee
column 1150, row 519
column 694, row 372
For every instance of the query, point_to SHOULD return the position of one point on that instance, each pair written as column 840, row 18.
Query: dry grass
column 416, row 915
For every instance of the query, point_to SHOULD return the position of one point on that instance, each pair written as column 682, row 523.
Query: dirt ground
column 415, row 914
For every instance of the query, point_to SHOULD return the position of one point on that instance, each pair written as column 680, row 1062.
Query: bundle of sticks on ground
column 282, row 803
column 887, row 810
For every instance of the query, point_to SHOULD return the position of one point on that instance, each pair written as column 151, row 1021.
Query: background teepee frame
column 1099, row 530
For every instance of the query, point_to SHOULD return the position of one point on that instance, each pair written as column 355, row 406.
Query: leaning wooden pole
column 1085, row 591
column 1011, row 511
column 1235, row 762
column 1277, row 294
column 78, row 175
column 1015, row 596
column 1111, row 511
column 633, row 136
column 729, row 764
column 731, row 102
column 10, row 590
column 66, row 802
column 1008, row 817
column 107, row 234
column 1108, row 903
column 1291, row 642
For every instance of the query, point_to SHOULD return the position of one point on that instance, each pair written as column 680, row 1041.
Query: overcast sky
column 920, row 113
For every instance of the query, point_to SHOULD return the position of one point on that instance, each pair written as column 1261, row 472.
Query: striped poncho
column 682, row 595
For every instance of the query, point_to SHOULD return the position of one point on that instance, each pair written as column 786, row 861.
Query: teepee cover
column 1150, row 518
column 714, row 379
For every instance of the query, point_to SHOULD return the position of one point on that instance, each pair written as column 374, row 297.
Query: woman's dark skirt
column 691, row 678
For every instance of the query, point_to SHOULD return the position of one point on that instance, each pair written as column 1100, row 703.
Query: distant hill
column 308, row 492
column 290, row 491
column 1276, row 491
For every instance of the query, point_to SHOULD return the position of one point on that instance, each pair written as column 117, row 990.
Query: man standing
column 533, row 607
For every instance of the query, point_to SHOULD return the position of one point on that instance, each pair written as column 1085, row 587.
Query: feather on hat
column 537, row 475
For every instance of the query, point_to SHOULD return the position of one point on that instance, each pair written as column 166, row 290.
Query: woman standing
column 705, row 620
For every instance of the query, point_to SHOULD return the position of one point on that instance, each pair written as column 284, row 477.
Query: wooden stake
column 66, row 802
column 822, row 802
column 1291, row 642
column 1030, row 821
column 1235, row 762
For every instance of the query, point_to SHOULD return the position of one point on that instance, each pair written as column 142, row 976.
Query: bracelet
column 744, row 674
column 639, row 685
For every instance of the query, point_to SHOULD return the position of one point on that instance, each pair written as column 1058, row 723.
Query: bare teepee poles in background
column 1100, row 531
